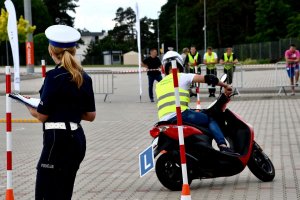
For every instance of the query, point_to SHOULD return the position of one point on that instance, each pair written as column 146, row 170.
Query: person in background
column 67, row 97
column 210, row 59
column 185, row 52
column 153, row 65
column 229, row 59
column 292, row 58
column 192, row 60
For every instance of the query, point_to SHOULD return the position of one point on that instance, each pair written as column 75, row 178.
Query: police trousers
column 63, row 151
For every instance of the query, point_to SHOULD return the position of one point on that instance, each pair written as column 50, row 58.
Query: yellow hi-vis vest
column 210, row 58
column 166, row 97
column 192, row 60
column 226, row 59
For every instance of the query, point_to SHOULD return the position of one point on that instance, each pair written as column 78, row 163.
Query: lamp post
column 176, row 28
column 29, row 41
column 158, row 49
column 204, row 27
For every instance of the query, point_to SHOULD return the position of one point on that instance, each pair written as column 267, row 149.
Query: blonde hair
column 185, row 50
column 66, row 55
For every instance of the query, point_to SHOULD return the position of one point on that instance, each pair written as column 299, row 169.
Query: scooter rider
column 166, row 98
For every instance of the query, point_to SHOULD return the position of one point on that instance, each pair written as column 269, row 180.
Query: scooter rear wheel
column 260, row 164
column 168, row 172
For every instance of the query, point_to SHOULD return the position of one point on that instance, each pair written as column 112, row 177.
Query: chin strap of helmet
column 211, row 79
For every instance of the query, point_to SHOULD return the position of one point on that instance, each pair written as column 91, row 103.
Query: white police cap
column 62, row 36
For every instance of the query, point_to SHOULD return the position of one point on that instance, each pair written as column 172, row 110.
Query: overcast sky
column 97, row 15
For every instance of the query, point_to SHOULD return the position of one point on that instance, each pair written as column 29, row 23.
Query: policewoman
column 67, row 97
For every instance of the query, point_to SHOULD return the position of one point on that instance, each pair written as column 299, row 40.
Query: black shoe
column 193, row 95
column 212, row 95
column 228, row 150
column 152, row 100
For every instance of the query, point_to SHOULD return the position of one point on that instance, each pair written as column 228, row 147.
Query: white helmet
column 168, row 57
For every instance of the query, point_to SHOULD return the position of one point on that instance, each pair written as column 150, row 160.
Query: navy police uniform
column 64, row 142
column 64, row 103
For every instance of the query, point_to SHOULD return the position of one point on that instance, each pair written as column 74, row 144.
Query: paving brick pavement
column 121, row 131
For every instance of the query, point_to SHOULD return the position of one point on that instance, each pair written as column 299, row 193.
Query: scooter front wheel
column 168, row 172
column 260, row 164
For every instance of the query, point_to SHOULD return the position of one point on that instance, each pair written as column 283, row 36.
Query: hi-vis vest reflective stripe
column 192, row 60
column 228, row 66
column 210, row 58
column 166, row 97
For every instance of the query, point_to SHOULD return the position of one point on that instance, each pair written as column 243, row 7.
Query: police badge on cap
column 62, row 36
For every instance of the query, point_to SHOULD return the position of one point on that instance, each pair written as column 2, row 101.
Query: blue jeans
column 202, row 119
column 151, row 79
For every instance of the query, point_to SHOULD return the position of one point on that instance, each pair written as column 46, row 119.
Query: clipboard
column 32, row 102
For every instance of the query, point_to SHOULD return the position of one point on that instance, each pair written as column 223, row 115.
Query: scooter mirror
column 223, row 78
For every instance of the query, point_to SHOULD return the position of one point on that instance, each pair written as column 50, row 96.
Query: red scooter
column 203, row 160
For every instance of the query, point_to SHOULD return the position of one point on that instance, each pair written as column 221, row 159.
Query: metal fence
column 268, row 51
column 256, row 77
column 238, row 78
column 281, row 79
column 103, row 82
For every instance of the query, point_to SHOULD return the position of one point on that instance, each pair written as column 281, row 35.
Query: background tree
column 148, row 28
column 41, row 48
column 40, row 16
column 22, row 26
column 124, row 26
column 23, row 30
column 271, row 20
column 57, row 10
column 122, row 36
column 293, row 26
column 228, row 22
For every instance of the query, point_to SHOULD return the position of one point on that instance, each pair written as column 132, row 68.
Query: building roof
column 131, row 53
column 87, row 33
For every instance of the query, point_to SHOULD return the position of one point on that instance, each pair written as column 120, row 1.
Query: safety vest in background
column 166, row 98
column 210, row 58
column 228, row 66
column 193, row 61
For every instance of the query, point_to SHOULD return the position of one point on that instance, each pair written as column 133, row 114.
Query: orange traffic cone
column 10, row 194
column 185, row 193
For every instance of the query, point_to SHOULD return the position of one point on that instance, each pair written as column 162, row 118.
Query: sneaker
column 227, row 150
column 293, row 94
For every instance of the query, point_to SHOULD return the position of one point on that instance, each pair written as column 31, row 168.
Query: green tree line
column 229, row 22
